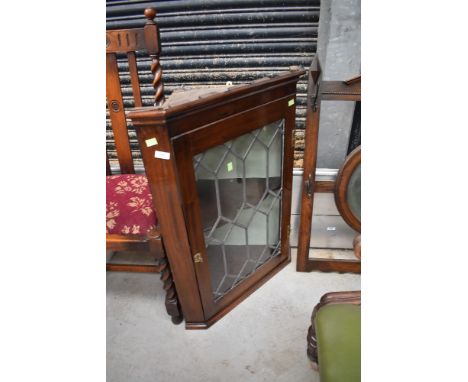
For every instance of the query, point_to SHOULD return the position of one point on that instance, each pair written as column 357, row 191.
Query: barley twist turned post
column 153, row 47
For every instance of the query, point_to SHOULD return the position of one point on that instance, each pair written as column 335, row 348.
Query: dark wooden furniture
column 128, row 42
column 319, row 90
column 219, row 164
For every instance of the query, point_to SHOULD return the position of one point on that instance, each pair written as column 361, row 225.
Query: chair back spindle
column 153, row 47
column 129, row 41
column 132, row 68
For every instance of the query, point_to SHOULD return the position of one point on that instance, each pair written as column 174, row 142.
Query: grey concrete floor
column 262, row 339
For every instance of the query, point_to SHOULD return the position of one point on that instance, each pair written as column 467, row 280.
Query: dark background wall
column 211, row 42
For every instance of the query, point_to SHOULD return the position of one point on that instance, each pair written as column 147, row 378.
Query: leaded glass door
column 239, row 187
column 219, row 164
column 237, row 218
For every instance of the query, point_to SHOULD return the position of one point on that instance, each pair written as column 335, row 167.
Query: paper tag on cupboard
column 151, row 142
column 162, row 155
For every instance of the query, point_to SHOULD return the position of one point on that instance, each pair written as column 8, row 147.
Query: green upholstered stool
column 335, row 337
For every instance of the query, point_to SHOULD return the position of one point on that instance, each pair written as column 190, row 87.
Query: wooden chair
column 131, row 222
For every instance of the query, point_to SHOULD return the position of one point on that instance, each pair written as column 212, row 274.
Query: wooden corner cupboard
column 219, row 164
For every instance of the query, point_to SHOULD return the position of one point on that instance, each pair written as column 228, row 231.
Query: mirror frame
column 341, row 188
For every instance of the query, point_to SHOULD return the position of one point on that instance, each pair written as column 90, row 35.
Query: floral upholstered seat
column 129, row 205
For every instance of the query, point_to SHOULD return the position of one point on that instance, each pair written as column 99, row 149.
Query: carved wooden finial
column 150, row 14
column 153, row 47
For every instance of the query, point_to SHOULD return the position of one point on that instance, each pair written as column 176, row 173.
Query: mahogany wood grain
column 340, row 91
column 340, row 266
column 164, row 187
column 137, row 243
column 325, row 186
column 125, row 40
column 128, row 239
column 126, row 242
column 183, row 131
column 310, row 162
column 251, row 119
column 215, row 106
column 114, row 267
column 191, row 208
column 353, row 80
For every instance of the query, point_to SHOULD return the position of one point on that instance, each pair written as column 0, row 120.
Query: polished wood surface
column 189, row 128
column 324, row 186
column 310, row 162
column 338, row 265
column 317, row 91
column 125, row 40
column 340, row 90
column 215, row 105
column 133, row 268
column 128, row 41
column 164, row 185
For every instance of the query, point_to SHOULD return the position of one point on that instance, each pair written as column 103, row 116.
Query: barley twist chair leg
column 172, row 302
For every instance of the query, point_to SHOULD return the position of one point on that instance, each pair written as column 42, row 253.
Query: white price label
column 162, row 155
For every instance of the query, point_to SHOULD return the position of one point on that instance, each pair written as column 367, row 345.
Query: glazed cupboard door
column 237, row 201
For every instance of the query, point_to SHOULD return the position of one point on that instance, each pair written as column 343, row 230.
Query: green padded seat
column 338, row 331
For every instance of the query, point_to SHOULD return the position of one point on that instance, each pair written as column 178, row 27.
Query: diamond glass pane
column 239, row 188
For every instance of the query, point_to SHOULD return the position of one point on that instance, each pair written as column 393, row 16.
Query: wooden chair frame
column 129, row 41
column 318, row 91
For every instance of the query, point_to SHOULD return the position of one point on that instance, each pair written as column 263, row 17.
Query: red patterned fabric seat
column 129, row 205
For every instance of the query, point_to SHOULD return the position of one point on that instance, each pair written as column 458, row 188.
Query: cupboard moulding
column 194, row 125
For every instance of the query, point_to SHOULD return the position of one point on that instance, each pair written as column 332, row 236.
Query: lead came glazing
column 239, row 187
